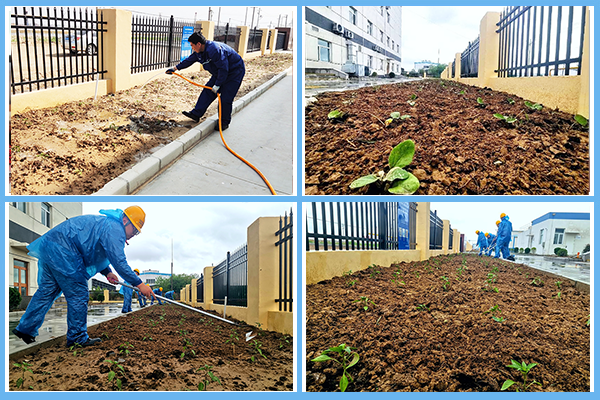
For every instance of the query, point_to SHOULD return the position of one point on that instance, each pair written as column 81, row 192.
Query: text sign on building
column 186, row 47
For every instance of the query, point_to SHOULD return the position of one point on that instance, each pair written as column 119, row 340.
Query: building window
column 46, row 214
column 20, row 276
column 350, row 56
column 388, row 41
column 388, row 17
column 324, row 50
column 559, row 235
column 370, row 65
column 541, row 236
column 353, row 15
column 393, row 46
column 370, row 28
column 19, row 205
column 381, row 36
column 381, row 10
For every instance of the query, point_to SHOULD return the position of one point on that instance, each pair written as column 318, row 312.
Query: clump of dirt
column 78, row 147
column 451, row 323
column 163, row 348
column 461, row 148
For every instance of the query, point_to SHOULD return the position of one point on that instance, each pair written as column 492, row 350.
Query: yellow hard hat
column 137, row 270
column 477, row 232
column 497, row 223
column 487, row 235
column 136, row 215
column 502, row 215
column 160, row 289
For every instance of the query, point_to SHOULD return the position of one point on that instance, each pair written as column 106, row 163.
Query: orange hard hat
column 136, row 215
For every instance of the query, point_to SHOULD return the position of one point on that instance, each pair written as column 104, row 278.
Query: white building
column 568, row 230
column 354, row 40
column 425, row 65
column 27, row 222
column 149, row 276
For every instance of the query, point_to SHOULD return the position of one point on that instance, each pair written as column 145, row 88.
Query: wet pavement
column 55, row 323
column 569, row 268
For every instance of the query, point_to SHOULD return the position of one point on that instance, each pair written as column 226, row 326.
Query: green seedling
column 445, row 283
column 581, row 120
column 208, row 378
column 422, row 307
column 510, row 101
column 124, row 348
column 397, row 180
column 416, row 273
column 480, row 102
column 112, row 374
column 462, row 92
column 413, row 96
column 148, row 338
column 558, row 295
column 534, row 107
column 537, row 282
column 352, row 282
column 336, row 115
column 76, row 349
column 346, row 358
column 395, row 116
column 187, row 347
column 558, row 283
column 493, row 310
column 397, row 281
column 366, row 302
column 411, row 103
column 233, row 338
column 587, row 323
column 524, row 369
column 24, row 368
column 284, row 340
column 498, row 319
column 257, row 347
column 506, row 118
column 374, row 270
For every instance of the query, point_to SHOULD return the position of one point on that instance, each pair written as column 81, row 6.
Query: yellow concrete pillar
column 188, row 299
column 455, row 241
column 584, row 93
column 117, row 48
column 208, row 287
column 194, row 292
column 423, row 229
column 457, row 67
column 263, row 41
column 446, row 236
column 208, row 29
column 106, row 295
column 273, row 40
column 263, row 270
column 244, row 37
column 489, row 48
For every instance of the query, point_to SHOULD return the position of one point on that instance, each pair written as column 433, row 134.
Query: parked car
column 86, row 42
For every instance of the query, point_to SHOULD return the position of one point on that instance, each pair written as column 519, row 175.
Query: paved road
column 262, row 133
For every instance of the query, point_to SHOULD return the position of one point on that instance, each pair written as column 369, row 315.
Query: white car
column 86, row 42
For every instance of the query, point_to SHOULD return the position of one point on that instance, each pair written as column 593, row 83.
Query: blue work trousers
column 502, row 249
column 227, row 91
column 76, row 293
column 127, row 297
column 141, row 300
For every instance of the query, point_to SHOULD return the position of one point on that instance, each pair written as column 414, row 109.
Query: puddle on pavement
column 568, row 268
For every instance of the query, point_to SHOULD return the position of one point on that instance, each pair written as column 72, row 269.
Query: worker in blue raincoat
column 227, row 69
column 491, row 239
column 481, row 242
column 68, row 256
column 504, row 236
column 169, row 294
column 157, row 291
column 128, row 295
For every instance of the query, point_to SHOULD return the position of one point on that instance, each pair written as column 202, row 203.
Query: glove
column 169, row 71
column 215, row 89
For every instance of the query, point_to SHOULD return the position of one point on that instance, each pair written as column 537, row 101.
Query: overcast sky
column 202, row 233
column 237, row 15
column 432, row 33
column 469, row 217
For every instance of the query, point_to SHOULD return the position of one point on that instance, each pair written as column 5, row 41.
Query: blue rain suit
column 68, row 256
column 227, row 69
column 158, row 292
column 503, row 240
column 481, row 242
column 141, row 299
column 169, row 294
column 491, row 243
column 127, row 297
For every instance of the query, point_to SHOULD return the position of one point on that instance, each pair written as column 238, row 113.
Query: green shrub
column 374, row 74
column 14, row 298
column 533, row 250
column 527, row 250
column 515, row 250
column 392, row 75
column 559, row 251
column 586, row 248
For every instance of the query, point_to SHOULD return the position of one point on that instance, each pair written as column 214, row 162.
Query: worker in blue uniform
column 128, row 295
column 491, row 239
column 169, row 294
column 227, row 69
column 504, row 236
column 481, row 241
column 157, row 291
column 68, row 256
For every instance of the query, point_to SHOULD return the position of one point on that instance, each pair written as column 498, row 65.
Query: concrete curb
column 145, row 170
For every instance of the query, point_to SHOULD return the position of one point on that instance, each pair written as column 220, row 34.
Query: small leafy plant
column 506, row 118
column 396, row 116
column 24, row 368
column 124, row 348
column 397, row 180
column 533, row 107
column 346, row 358
column 336, row 115
column 257, row 347
column 445, row 283
column 581, row 120
column 510, row 101
column 524, row 369
column 422, row 307
column 366, row 302
column 208, row 378
column 537, row 282
column 76, row 349
column 480, row 102
column 374, row 270
column 115, row 374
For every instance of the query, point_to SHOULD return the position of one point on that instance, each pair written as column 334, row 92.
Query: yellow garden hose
column 223, row 139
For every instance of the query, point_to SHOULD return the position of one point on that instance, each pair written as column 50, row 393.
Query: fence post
column 489, row 48
column 263, row 40
column 446, row 236
column 244, row 38
column 273, row 40
column 106, row 295
column 117, row 48
column 457, row 66
column 263, row 271
column 455, row 241
column 208, row 29
column 208, row 288
column 423, row 229
column 194, row 292
column 584, row 93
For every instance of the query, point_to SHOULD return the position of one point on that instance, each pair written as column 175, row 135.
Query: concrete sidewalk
column 261, row 132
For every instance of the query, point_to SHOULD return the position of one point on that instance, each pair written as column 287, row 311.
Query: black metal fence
column 412, row 225
column 285, row 244
column 230, row 278
column 200, row 289
column 281, row 40
column 156, row 41
column 53, row 47
column 254, row 40
column 450, row 238
column 541, row 40
column 230, row 35
column 453, row 69
column 469, row 60
column 436, row 231
column 352, row 226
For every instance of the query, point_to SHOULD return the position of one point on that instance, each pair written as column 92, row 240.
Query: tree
column 14, row 298
column 435, row 71
column 179, row 282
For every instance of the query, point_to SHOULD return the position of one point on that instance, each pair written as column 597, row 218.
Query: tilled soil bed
column 78, row 147
column 163, row 348
column 461, row 148
column 417, row 336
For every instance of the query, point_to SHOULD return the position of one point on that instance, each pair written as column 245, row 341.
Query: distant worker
column 169, row 294
column 227, row 69
column 481, row 242
column 157, row 291
column 68, row 256
column 504, row 236
column 128, row 295
column 491, row 239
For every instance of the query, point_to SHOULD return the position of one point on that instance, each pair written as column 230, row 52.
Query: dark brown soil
column 78, row 147
column 155, row 338
column 461, row 148
column 452, row 343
